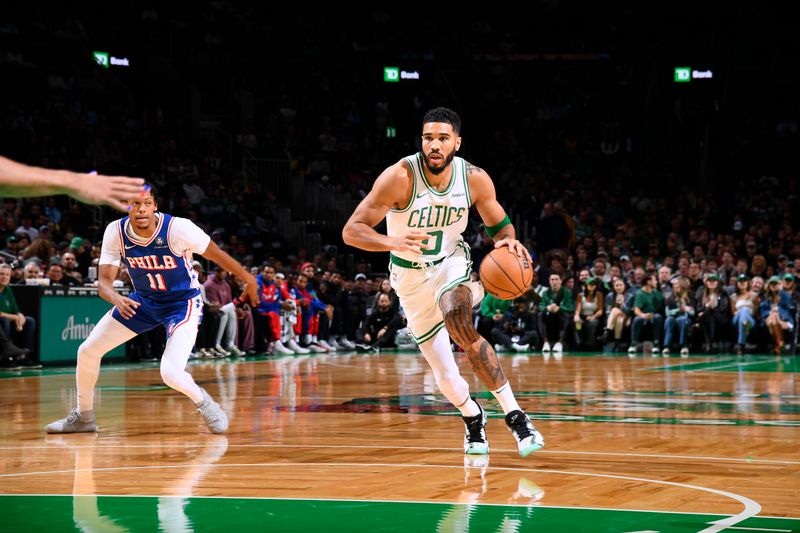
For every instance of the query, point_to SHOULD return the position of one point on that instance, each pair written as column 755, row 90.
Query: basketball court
column 366, row 443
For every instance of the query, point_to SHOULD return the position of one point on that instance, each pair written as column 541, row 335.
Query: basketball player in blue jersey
column 426, row 199
column 157, row 250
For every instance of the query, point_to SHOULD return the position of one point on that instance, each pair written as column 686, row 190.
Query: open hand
column 410, row 241
column 515, row 247
column 126, row 306
column 96, row 189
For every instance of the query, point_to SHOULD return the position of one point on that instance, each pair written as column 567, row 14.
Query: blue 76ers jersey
column 158, row 273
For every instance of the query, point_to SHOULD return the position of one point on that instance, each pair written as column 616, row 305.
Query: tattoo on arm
column 472, row 168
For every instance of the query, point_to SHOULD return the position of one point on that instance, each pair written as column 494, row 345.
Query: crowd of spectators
column 692, row 309
column 597, row 198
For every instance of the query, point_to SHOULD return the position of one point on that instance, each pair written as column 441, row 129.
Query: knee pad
column 459, row 325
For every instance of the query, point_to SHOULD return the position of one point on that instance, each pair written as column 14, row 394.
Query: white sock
column 470, row 408
column 506, row 398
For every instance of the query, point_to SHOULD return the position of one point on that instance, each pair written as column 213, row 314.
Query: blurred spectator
column 32, row 271
column 380, row 327
column 25, row 228
column 727, row 267
column 599, row 271
column 70, row 265
column 555, row 313
column 517, row 330
column 218, row 293
column 12, row 357
column 648, row 306
column 589, row 311
column 491, row 314
column 206, row 332
column 618, row 311
column 788, row 282
column 11, row 250
column 384, row 286
column 712, row 312
column 353, row 303
column 290, row 316
column 776, row 313
column 311, row 309
column 83, row 257
column 665, row 281
column 680, row 310
column 55, row 273
column 267, row 316
column 758, row 266
column 17, row 327
column 744, row 304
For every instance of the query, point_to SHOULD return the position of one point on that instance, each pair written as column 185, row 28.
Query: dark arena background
column 645, row 154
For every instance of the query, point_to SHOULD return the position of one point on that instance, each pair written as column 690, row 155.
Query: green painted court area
column 142, row 513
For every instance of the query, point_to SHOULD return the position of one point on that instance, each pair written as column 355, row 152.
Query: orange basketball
column 505, row 275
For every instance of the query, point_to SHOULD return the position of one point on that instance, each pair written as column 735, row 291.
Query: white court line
column 683, row 362
column 730, row 365
column 761, row 529
column 414, row 448
column 689, row 401
column 352, row 500
column 751, row 507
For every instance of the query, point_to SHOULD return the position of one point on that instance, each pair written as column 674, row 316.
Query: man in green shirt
column 494, row 308
column 648, row 307
column 491, row 314
column 25, row 326
column 555, row 314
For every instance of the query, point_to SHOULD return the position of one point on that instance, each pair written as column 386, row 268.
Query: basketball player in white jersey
column 157, row 250
column 426, row 199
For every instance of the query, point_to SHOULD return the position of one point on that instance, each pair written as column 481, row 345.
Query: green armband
column 492, row 230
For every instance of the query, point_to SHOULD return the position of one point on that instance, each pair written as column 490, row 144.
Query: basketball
column 505, row 275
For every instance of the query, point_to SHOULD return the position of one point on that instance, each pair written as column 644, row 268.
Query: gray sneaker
column 215, row 417
column 74, row 423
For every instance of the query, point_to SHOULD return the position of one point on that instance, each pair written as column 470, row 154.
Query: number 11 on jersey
column 157, row 282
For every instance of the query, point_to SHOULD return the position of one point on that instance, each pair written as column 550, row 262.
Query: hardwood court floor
column 366, row 443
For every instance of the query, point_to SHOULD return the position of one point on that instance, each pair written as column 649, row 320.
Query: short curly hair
column 445, row 115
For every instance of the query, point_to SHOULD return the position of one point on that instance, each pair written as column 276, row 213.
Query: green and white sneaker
column 475, row 442
column 76, row 422
column 215, row 417
column 528, row 439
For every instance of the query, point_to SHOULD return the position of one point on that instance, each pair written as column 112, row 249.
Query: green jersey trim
column 413, row 188
column 466, row 184
column 428, row 185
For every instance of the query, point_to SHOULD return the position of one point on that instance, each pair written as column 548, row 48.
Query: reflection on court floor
column 365, row 443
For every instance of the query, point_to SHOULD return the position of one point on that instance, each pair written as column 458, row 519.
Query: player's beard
column 438, row 170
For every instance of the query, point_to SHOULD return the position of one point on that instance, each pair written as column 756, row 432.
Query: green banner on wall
column 67, row 318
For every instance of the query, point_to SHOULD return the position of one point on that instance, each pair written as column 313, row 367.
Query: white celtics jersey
column 443, row 215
